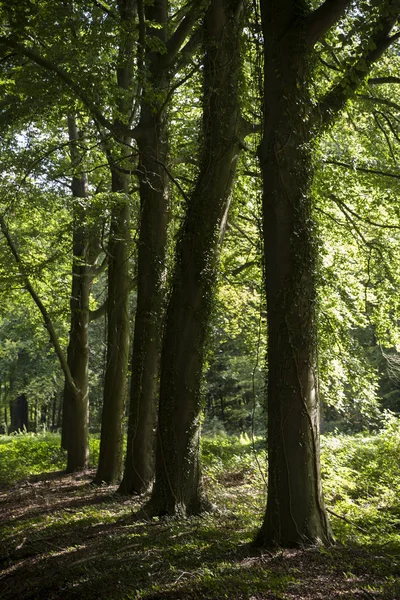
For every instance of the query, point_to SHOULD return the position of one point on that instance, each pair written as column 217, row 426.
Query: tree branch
column 376, row 100
column 183, row 30
column 346, row 520
column 73, row 86
column 186, row 53
column 382, row 80
column 340, row 203
column 247, row 128
column 46, row 317
column 99, row 312
column 323, row 18
column 104, row 7
column 374, row 47
column 362, row 169
column 243, row 267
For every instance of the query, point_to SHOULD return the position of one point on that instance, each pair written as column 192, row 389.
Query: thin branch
column 61, row 74
column 385, row 134
column 383, row 80
column 328, row 65
column 46, row 317
column 178, row 84
column 243, row 233
column 331, row 217
column 340, row 202
column 251, row 174
column 390, row 124
column 353, row 225
column 116, row 129
column 172, row 178
column 362, row 169
column 376, row 100
column 243, row 267
column 105, row 8
column 346, row 520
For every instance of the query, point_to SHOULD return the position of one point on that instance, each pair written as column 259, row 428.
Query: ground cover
column 63, row 537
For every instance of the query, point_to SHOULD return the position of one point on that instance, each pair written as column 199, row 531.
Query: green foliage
column 89, row 534
column 26, row 454
column 362, row 484
column 360, row 477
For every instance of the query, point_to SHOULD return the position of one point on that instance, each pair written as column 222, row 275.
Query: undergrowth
column 361, row 478
column 361, row 481
column 90, row 536
column 26, row 454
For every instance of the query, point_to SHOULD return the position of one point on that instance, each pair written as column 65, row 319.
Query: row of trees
column 128, row 128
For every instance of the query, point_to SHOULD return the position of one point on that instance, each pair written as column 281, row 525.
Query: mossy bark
column 295, row 513
column 115, row 380
column 75, row 425
column 153, row 148
column 111, row 439
column 178, row 487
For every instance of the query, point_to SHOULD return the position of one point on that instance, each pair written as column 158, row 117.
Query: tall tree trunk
column 75, row 425
column 153, row 147
column 53, row 412
column 112, row 435
column 178, row 486
column 115, row 380
column 295, row 511
column 19, row 414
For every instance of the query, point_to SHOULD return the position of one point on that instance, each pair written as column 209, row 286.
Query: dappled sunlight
column 64, row 537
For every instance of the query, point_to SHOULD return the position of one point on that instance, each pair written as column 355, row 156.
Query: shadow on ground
column 61, row 537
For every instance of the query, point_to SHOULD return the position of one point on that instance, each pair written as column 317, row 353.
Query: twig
column 346, row 520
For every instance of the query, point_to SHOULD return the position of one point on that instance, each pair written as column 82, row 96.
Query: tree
column 162, row 60
column 293, row 119
column 86, row 248
column 118, row 314
column 178, row 485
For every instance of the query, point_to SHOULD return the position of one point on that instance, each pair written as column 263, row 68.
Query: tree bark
column 112, row 435
column 295, row 513
column 115, row 380
column 19, row 414
column 75, row 424
column 153, row 148
column 178, row 486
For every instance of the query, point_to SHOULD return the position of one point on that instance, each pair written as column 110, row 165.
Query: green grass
column 361, row 475
column 87, row 534
column 26, row 454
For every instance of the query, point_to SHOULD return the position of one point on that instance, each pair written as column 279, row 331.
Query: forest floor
column 63, row 537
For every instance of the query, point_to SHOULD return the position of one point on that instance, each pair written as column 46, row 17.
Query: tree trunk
column 75, row 424
column 115, row 380
column 19, row 414
column 153, row 147
column 178, row 486
column 76, row 403
column 112, row 435
column 295, row 512
column 53, row 412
